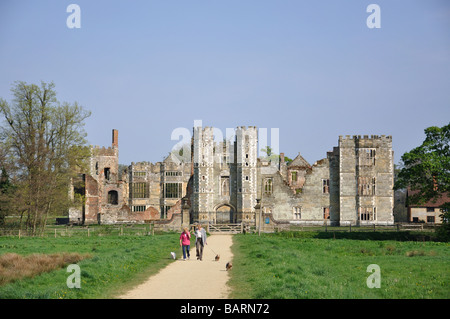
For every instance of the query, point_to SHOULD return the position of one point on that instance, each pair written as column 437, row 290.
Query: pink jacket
column 185, row 238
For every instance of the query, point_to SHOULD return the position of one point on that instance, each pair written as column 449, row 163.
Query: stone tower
column 366, row 177
column 203, row 193
column 246, row 169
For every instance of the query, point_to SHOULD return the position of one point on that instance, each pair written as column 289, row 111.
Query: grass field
column 116, row 263
column 287, row 266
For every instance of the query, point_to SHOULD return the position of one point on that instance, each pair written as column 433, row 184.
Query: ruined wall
column 313, row 198
column 366, row 163
column 105, row 195
column 281, row 200
column 150, row 175
column 333, row 160
column 173, row 171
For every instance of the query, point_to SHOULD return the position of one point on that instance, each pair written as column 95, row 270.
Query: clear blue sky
column 313, row 69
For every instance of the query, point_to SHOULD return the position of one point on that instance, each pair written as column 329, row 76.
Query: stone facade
column 226, row 182
column 353, row 185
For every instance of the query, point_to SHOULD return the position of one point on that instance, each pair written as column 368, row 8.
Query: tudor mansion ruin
column 226, row 182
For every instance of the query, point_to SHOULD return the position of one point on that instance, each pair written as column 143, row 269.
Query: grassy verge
column 116, row 264
column 283, row 266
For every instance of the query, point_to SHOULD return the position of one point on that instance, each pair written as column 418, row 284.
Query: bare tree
column 44, row 141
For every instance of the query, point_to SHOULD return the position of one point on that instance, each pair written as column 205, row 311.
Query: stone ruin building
column 226, row 182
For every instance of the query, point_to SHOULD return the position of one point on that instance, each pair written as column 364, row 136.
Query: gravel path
column 191, row 279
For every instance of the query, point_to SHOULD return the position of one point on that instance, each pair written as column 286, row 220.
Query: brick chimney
column 282, row 158
column 115, row 138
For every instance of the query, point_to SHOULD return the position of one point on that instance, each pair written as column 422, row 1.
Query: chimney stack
column 282, row 158
column 115, row 138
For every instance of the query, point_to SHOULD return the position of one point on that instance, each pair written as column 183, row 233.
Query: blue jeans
column 186, row 251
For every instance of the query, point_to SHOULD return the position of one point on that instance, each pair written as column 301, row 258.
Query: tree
column 426, row 170
column 6, row 188
column 267, row 150
column 288, row 160
column 270, row 155
column 45, row 144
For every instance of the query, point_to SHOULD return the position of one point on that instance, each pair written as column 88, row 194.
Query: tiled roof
column 439, row 202
column 299, row 161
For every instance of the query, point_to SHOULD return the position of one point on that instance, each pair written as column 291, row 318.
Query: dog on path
column 217, row 257
column 229, row 265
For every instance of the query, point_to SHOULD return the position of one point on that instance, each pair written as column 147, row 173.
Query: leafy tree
column 270, row 155
column 45, row 144
column 426, row 170
column 267, row 150
column 288, row 160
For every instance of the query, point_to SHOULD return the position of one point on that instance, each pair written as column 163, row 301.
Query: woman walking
column 185, row 243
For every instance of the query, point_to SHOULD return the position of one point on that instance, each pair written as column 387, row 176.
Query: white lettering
column 73, row 20
column 374, row 280
column 374, row 20
column 74, row 280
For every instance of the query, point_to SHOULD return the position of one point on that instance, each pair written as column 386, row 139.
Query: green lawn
column 280, row 266
column 117, row 263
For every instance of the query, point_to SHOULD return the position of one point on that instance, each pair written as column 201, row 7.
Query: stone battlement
column 365, row 137
column 245, row 128
column 103, row 151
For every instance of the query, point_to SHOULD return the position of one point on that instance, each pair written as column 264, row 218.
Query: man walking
column 200, row 241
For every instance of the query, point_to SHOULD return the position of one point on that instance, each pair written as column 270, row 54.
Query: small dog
column 217, row 257
column 174, row 256
column 229, row 265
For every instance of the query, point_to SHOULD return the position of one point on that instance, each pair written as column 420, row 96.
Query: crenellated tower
column 366, row 177
column 246, row 154
column 203, row 192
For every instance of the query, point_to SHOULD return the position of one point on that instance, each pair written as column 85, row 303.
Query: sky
column 314, row 70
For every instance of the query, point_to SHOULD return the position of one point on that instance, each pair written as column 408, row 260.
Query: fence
column 67, row 231
column 363, row 228
column 149, row 229
column 225, row 228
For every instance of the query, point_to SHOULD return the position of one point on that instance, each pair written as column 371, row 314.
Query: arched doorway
column 224, row 214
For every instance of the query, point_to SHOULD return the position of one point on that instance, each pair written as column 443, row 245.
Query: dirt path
column 191, row 279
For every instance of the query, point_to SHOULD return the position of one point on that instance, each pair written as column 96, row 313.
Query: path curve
column 191, row 279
